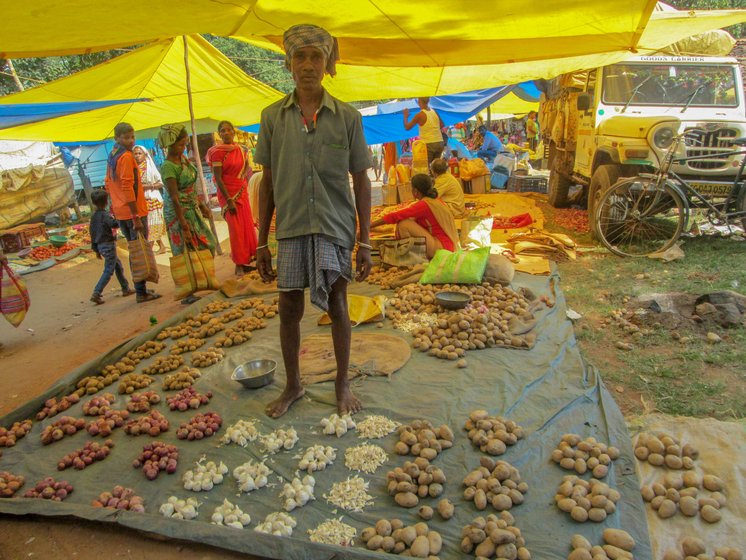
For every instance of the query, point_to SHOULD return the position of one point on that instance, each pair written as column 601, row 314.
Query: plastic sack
column 142, row 260
column 475, row 232
column 470, row 168
column 193, row 271
column 361, row 309
column 14, row 298
column 461, row 267
column 404, row 252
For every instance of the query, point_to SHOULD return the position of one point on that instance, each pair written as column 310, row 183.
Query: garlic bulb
column 337, row 425
column 316, row 458
column 230, row 515
column 180, row 509
column 298, row 492
column 277, row 523
column 204, row 477
column 280, row 439
column 251, row 476
column 240, row 433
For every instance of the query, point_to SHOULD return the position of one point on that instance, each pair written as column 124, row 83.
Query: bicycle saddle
column 739, row 141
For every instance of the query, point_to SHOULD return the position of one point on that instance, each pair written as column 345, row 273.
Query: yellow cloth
column 220, row 90
column 361, row 309
column 450, row 192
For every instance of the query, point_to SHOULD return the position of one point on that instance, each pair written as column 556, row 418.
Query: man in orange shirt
column 128, row 202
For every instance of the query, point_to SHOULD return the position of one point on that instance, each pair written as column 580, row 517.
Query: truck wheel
column 559, row 186
column 603, row 177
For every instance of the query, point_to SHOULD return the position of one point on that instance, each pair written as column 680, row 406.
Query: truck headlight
column 663, row 137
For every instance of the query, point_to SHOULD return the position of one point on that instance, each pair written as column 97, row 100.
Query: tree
column 738, row 31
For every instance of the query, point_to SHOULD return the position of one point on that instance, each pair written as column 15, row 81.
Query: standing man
column 128, row 202
column 308, row 143
column 430, row 128
column 532, row 130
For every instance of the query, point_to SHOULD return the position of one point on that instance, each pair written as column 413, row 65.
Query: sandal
column 127, row 292
column 97, row 299
column 190, row 300
column 150, row 296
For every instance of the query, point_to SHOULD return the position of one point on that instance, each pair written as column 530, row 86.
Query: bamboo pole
column 12, row 70
column 195, row 146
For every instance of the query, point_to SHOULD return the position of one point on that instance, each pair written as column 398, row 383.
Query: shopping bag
column 475, row 232
column 142, row 260
column 404, row 252
column 193, row 271
column 14, row 298
column 460, row 267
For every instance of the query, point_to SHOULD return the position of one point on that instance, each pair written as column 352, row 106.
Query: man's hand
column 137, row 223
column 264, row 264
column 231, row 206
column 363, row 263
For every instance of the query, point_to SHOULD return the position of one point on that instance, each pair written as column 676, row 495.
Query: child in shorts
column 103, row 243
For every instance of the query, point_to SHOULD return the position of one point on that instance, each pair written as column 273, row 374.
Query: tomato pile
column 43, row 253
column 572, row 220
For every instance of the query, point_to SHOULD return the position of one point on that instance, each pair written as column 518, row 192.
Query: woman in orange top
column 427, row 217
column 230, row 168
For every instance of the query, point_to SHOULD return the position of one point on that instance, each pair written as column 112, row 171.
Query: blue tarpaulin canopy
column 25, row 113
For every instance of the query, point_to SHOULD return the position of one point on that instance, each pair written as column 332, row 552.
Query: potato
column 480, row 500
column 383, row 527
column 580, row 554
column 396, row 524
column 523, row 553
column 667, row 509
column 375, row 542
column 712, row 483
column 420, row 547
column 579, row 514
column 710, row 514
column 425, row 512
column 486, row 548
column 692, row 546
column 689, row 506
column 619, row 538
column 647, row 493
column 673, row 554
column 435, row 541
column 367, row 533
column 673, row 462
column 408, row 535
column 729, row 553
column 445, row 509
column 406, row 499
column 597, row 514
column 692, row 480
column 579, row 541
column 508, row 550
column 502, row 502
column 656, row 459
column 616, row 553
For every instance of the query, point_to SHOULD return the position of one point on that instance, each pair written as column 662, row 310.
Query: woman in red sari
column 230, row 168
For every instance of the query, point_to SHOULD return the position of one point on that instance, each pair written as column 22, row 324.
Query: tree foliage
column 738, row 31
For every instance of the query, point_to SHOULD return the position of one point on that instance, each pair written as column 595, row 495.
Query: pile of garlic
column 277, row 523
column 240, row 433
column 280, row 439
column 316, row 458
column 180, row 509
column 365, row 458
column 251, row 476
column 333, row 531
column 337, row 425
column 204, row 477
column 298, row 492
column 230, row 515
column 375, row 427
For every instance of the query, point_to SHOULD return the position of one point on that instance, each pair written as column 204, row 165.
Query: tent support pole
column 195, row 146
column 489, row 116
column 12, row 70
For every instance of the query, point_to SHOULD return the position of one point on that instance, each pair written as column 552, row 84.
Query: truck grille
column 714, row 144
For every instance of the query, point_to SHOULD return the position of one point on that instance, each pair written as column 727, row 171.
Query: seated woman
column 427, row 217
column 448, row 187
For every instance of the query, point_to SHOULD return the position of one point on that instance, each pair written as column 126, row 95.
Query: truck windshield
column 670, row 85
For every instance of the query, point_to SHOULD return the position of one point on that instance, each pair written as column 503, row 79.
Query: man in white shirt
column 430, row 128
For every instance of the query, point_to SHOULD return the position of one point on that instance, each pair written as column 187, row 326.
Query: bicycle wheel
column 636, row 218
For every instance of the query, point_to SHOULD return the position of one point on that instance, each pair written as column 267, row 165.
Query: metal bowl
column 452, row 300
column 255, row 373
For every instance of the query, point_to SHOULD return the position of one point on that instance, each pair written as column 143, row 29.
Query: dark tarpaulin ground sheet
column 548, row 390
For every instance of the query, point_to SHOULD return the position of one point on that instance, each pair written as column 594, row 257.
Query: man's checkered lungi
column 312, row 261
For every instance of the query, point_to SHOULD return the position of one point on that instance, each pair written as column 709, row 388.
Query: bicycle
column 647, row 213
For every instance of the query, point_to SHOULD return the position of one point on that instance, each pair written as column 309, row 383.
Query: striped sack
column 193, row 271
column 14, row 298
column 142, row 260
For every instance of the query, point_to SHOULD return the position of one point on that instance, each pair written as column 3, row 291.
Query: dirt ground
column 62, row 331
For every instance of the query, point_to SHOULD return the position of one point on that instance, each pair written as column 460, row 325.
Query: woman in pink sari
column 230, row 168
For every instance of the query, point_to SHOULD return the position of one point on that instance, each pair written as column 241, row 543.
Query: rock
column 704, row 309
column 713, row 338
column 623, row 345
column 619, row 389
column 728, row 315
column 685, row 339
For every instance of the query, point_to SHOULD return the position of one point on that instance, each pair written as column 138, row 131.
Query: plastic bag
column 475, row 232
column 14, row 298
column 361, row 309
column 461, row 267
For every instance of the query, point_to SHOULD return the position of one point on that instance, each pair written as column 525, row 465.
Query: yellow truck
column 618, row 120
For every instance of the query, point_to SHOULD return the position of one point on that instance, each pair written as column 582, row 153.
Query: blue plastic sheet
column 24, row 113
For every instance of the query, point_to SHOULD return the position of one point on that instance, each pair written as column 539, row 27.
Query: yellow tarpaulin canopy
column 220, row 90
column 357, row 83
column 511, row 104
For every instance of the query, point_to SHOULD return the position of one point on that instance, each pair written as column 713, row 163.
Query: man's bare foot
column 280, row 406
column 347, row 403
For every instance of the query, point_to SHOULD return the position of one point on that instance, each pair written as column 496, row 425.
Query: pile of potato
column 495, row 536
column 94, row 383
column 10, row 484
column 187, row 345
column 618, row 544
column 145, row 351
column 583, row 455
column 125, row 365
column 240, row 332
column 586, row 500
column 492, row 434
column 395, row 277
column 188, row 398
column 198, row 320
column 105, row 424
column 164, row 364
column 50, row 489
column 231, row 315
column 133, row 382
column 679, row 493
column 663, row 449
column 392, row 536
column 417, row 479
column 488, row 321
column 175, row 332
column 692, row 547
column 211, row 328
column 154, row 424
column 141, row 402
column 216, row 307
column 65, row 426
column 91, row 452
column 421, row 439
column 497, row 483
column 444, row 508
column 207, row 357
column 181, row 379
column 200, row 426
column 120, row 498
column 52, row 406
column 9, row 436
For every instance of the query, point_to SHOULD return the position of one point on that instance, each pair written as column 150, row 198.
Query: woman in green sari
column 183, row 211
